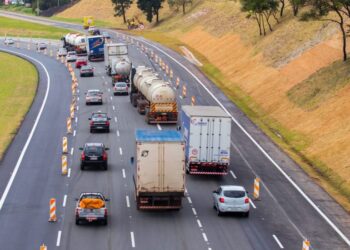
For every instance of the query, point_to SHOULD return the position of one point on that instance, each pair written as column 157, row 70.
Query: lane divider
column 69, row 125
column 64, row 165
column 53, row 217
column 256, row 193
column 64, row 145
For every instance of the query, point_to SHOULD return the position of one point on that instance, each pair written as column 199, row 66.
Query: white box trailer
column 160, row 169
column 207, row 133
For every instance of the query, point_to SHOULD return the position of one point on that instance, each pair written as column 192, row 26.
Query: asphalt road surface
column 291, row 208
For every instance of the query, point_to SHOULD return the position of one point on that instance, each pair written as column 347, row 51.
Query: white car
column 71, row 56
column 62, row 52
column 94, row 96
column 9, row 41
column 231, row 199
column 41, row 46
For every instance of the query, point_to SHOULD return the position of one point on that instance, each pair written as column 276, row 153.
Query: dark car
column 94, row 154
column 87, row 211
column 99, row 121
column 86, row 70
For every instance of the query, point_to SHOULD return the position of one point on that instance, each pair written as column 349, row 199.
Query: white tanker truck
column 75, row 42
column 117, row 62
column 153, row 97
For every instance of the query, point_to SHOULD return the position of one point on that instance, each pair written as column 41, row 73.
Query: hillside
column 273, row 79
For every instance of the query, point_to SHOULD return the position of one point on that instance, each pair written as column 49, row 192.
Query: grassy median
column 18, row 84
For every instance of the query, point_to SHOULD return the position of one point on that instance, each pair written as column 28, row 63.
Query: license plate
column 100, row 127
column 94, row 158
column 91, row 219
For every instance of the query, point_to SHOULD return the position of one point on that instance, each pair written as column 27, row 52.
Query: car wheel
column 82, row 167
column 218, row 212
column 105, row 167
column 246, row 214
column 77, row 222
column 91, row 130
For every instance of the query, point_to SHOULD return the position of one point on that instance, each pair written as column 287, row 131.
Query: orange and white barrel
column 65, row 145
column 193, row 100
column 43, row 247
column 184, row 91
column 306, row 245
column 256, row 193
column 177, row 83
column 53, row 217
column 64, row 165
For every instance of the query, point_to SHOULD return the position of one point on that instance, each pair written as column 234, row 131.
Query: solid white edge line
column 189, row 199
column 233, row 174
column 194, row 211
column 58, row 242
column 24, row 150
column 199, row 223
column 64, row 200
column 120, row 151
column 301, row 192
column 278, row 241
column 205, row 237
column 69, row 170
column 252, row 203
column 132, row 239
column 127, row 201
column 123, row 171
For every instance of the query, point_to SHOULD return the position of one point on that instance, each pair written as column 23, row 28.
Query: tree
column 283, row 4
column 120, row 7
column 179, row 3
column 296, row 4
column 150, row 8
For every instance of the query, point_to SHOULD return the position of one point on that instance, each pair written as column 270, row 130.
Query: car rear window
column 99, row 117
column 94, row 149
column 234, row 194
column 121, row 84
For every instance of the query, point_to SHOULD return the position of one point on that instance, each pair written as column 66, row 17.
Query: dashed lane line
column 118, row 133
column 64, row 201
column 120, row 151
column 194, row 211
column 205, row 237
column 74, row 133
column 127, row 201
column 115, row 119
column 189, row 199
column 233, row 174
column 252, row 203
column 113, row 107
column 72, row 151
column 132, row 237
column 69, row 170
column 159, row 127
column 123, row 171
column 199, row 223
column 278, row 241
column 76, row 119
column 58, row 242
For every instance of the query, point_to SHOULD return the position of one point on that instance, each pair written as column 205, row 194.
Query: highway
column 281, row 219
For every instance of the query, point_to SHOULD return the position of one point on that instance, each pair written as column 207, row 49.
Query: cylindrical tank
column 160, row 92
column 121, row 66
column 147, row 82
column 140, row 71
column 79, row 40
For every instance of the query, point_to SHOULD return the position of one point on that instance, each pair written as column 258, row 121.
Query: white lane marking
column 132, row 239
column 72, row 151
column 74, row 132
column 127, row 201
column 199, row 223
column 189, row 200
column 233, row 174
column 69, row 170
column 113, row 107
column 118, row 133
column 300, row 191
column 115, row 119
column 26, row 145
column 205, row 237
column 111, row 97
column 159, row 127
column 76, row 119
column 278, row 242
column 109, row 90
column 252, row 203
column 78, row 98
column 194, row 211
column 77, row 108
column 58, row 242
column 78, row 91
column 185, row 190
column 123, row 170
column 180, row 96
column 120, row 151
column 64, row 200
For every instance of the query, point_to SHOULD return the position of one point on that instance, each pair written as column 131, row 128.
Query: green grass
column 13, row 27
column 98, row 23
column 320, row 86
column 17, row 8
column 19, row 80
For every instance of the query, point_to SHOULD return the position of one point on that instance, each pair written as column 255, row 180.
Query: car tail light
column 107, row 123
column 83, row 156
column 91, row 123
column 106, row 212
column 104, row 156
column 221, row 200
column 246, row 200
column 77, row 211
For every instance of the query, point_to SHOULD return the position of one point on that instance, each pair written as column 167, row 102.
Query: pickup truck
column 91, row 207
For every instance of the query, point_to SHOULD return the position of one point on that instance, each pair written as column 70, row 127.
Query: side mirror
column 106, row 199
column 89, row 118
column 106, row 148
column 81, row 148
column 76, row 199
column 109, row 118
column 132, row 160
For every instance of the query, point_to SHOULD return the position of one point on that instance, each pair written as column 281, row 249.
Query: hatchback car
column 120, row 88
column 231, row 199
column 9, row 41
column 86, row 70
column 62, row 52
column 99, row 121
column 81, row 61
column 94, row 96
column 71, row 56
column 41, row 46
column 94, row 154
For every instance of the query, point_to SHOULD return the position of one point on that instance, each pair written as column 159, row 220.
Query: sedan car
column 81, row 61
column 86, row 70
column 41, row 46
column 94, row 154
column 93, row 96
column 71, row 56
column 106, row 35
column 62, row 52
column 99, row 121
column 231, row 199
column 120, row 88
column 9, row 41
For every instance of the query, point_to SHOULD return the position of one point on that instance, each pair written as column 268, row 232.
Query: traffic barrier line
column 256, row 193
column 69, row 125
column 193, row 100
column 53, row 217
column 72, row 111
column 64, row 165
column 43, row 247
column 184, row 91
column 64, row 145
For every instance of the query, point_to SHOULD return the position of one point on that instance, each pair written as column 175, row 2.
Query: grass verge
column 287, row 140
column 98, row 23
column 14, row 27
column 19, row 80
column 17, row 8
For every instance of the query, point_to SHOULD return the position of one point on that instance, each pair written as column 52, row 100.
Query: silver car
column 71, row 56
column 120, row 88
column 9, row 41
column 231, row 199
column 62, row 52
column 94, row 96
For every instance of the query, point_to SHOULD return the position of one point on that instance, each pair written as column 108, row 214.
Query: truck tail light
column 104, row 156
column 221, row 200
column 246, row 200
column 83, row 156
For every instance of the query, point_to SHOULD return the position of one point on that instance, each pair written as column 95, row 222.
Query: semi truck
column 117, row 62
column 75, row 42
column 95, row 48
column 207, row 133
column 159, row 176
column 153, row 97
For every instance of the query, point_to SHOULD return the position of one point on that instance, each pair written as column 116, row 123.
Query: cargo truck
column 207, row 133
column 95, row 48
column 153, row 97
column 117, row 62
column 75, row 42
column 159, row 169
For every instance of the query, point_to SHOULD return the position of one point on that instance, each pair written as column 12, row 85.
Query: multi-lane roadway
column 291, row 208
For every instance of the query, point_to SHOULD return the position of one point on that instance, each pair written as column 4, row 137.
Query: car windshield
column 99, row 117
column 121, row 84
column 86, row 68
column 93, row 93
column 94, row 150
column 72, row 53
column 91, row 196
column 81, row 59
column 234, row 193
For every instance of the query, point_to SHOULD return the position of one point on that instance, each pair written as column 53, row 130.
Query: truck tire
column 105, row 222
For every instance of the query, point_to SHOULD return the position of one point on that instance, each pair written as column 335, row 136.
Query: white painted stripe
column 74, row 132
column 278, row 242
column 189, row 200
column 111, row 97
column 77, row 108
column 127, row 201
column 118, row 133
column 58, row 242
column 78, row 98
column 78, row 90
column 76, row 119
column 205, row 237
column 120, row 151
column 180, row 96
column 64, row 200
column 301, row 192
column 124, row 175
column 113, row 107
column 132, row 239
column 159, row 127
column 233, row 174
column 252, row 203
column 72, row 151
column 109, row 90
column 26, row 145
column 194, row 211
column 199, row 223
column 185, row 190
column 115, row 119
column 69, row 170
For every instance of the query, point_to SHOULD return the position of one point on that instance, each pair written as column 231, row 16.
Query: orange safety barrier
column 256, row 193
column 64, row 165
column 53, row 217
column 64, row 145
column 43, row 247
column 69, row 125
column 306, row 245
column 193, row 100
column 184, row 91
